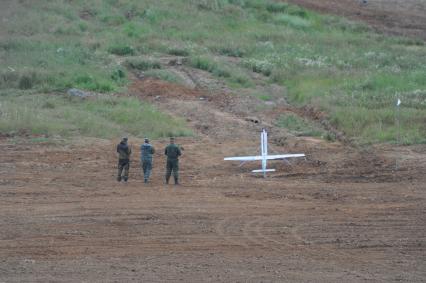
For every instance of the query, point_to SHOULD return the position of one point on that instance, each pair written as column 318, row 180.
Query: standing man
column 147, row 150
column 124, row 152
column 172, row 152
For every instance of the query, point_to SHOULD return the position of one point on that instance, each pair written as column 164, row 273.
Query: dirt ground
column 397, row 17
column 345, row 213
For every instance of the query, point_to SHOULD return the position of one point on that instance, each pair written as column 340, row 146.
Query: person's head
column 146, row 140
column 172, row 140
column 124, row 139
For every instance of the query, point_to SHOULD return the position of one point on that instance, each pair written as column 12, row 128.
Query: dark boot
column 145, row 181
column 125, row 179
column 176, row 181
column 119, row 178
column 167, row 179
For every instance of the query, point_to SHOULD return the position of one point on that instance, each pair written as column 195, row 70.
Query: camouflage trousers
column 123, row 164
column 172, row 166
column 147, row 168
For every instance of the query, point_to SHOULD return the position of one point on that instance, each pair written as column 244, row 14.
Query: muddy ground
column 345, row 213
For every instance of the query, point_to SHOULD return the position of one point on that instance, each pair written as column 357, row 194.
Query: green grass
column 298, row 126
column 101, row 116
column 142, row 64
column 164, row 75
column 325, row 61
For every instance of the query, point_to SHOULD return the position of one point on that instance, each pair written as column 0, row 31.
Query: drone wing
column 244, row 158
column 283, row 156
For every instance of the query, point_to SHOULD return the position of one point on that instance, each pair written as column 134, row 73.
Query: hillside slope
column 338, row 67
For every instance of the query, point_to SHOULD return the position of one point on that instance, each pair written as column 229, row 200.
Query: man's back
column 123, row 150
column 172, row 151
column 147, row 150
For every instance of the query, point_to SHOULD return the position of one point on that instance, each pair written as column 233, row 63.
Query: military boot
column 119, row 178
column 176, row 181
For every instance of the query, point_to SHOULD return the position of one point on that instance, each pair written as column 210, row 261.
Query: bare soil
column 396, row 17
column 344, row 213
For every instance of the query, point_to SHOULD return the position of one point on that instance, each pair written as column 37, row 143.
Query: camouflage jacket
column 147, row 150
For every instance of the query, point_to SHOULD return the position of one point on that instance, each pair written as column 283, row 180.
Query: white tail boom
column 264, row 155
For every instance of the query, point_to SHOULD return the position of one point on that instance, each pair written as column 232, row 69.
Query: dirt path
column 337, row 216
column 395, row 17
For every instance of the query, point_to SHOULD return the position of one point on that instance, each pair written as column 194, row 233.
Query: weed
column 143, row 64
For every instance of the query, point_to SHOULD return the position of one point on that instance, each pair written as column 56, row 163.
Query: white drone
column 264, row 157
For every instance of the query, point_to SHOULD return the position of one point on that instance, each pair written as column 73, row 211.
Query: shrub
column 259, row 66
column 292, row 21
column 231, row 51
column 118, row 75
column 121, row 50
column 142, row 64
column 277, row 7
column 178, row 51
column 203, row 63
column 26, row 82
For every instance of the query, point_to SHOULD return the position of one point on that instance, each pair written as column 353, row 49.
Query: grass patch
column 104, row 117
column 298, row 126
column 164, row 75
column 142, row 64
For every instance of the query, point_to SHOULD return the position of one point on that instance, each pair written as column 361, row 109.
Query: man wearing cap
column 124, row 152
column 172, row 152
column 147, row 150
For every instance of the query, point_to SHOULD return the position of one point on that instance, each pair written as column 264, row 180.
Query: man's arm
column 152, row 150
column 179, row 152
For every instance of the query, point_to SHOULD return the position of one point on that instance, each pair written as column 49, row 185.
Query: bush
column 118, row 75
column 26, row 82
column 178, row 51
column 277, row 7
column 121, row 50
column 259, row 66
column 142, row 64
column 230, row 51
column 292, row 21
column 203, row 63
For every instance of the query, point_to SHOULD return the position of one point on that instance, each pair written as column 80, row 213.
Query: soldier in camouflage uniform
column 147, row 150
column 172, row 152
column 124, row 152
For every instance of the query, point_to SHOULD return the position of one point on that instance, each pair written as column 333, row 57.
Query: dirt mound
column 156, row 89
